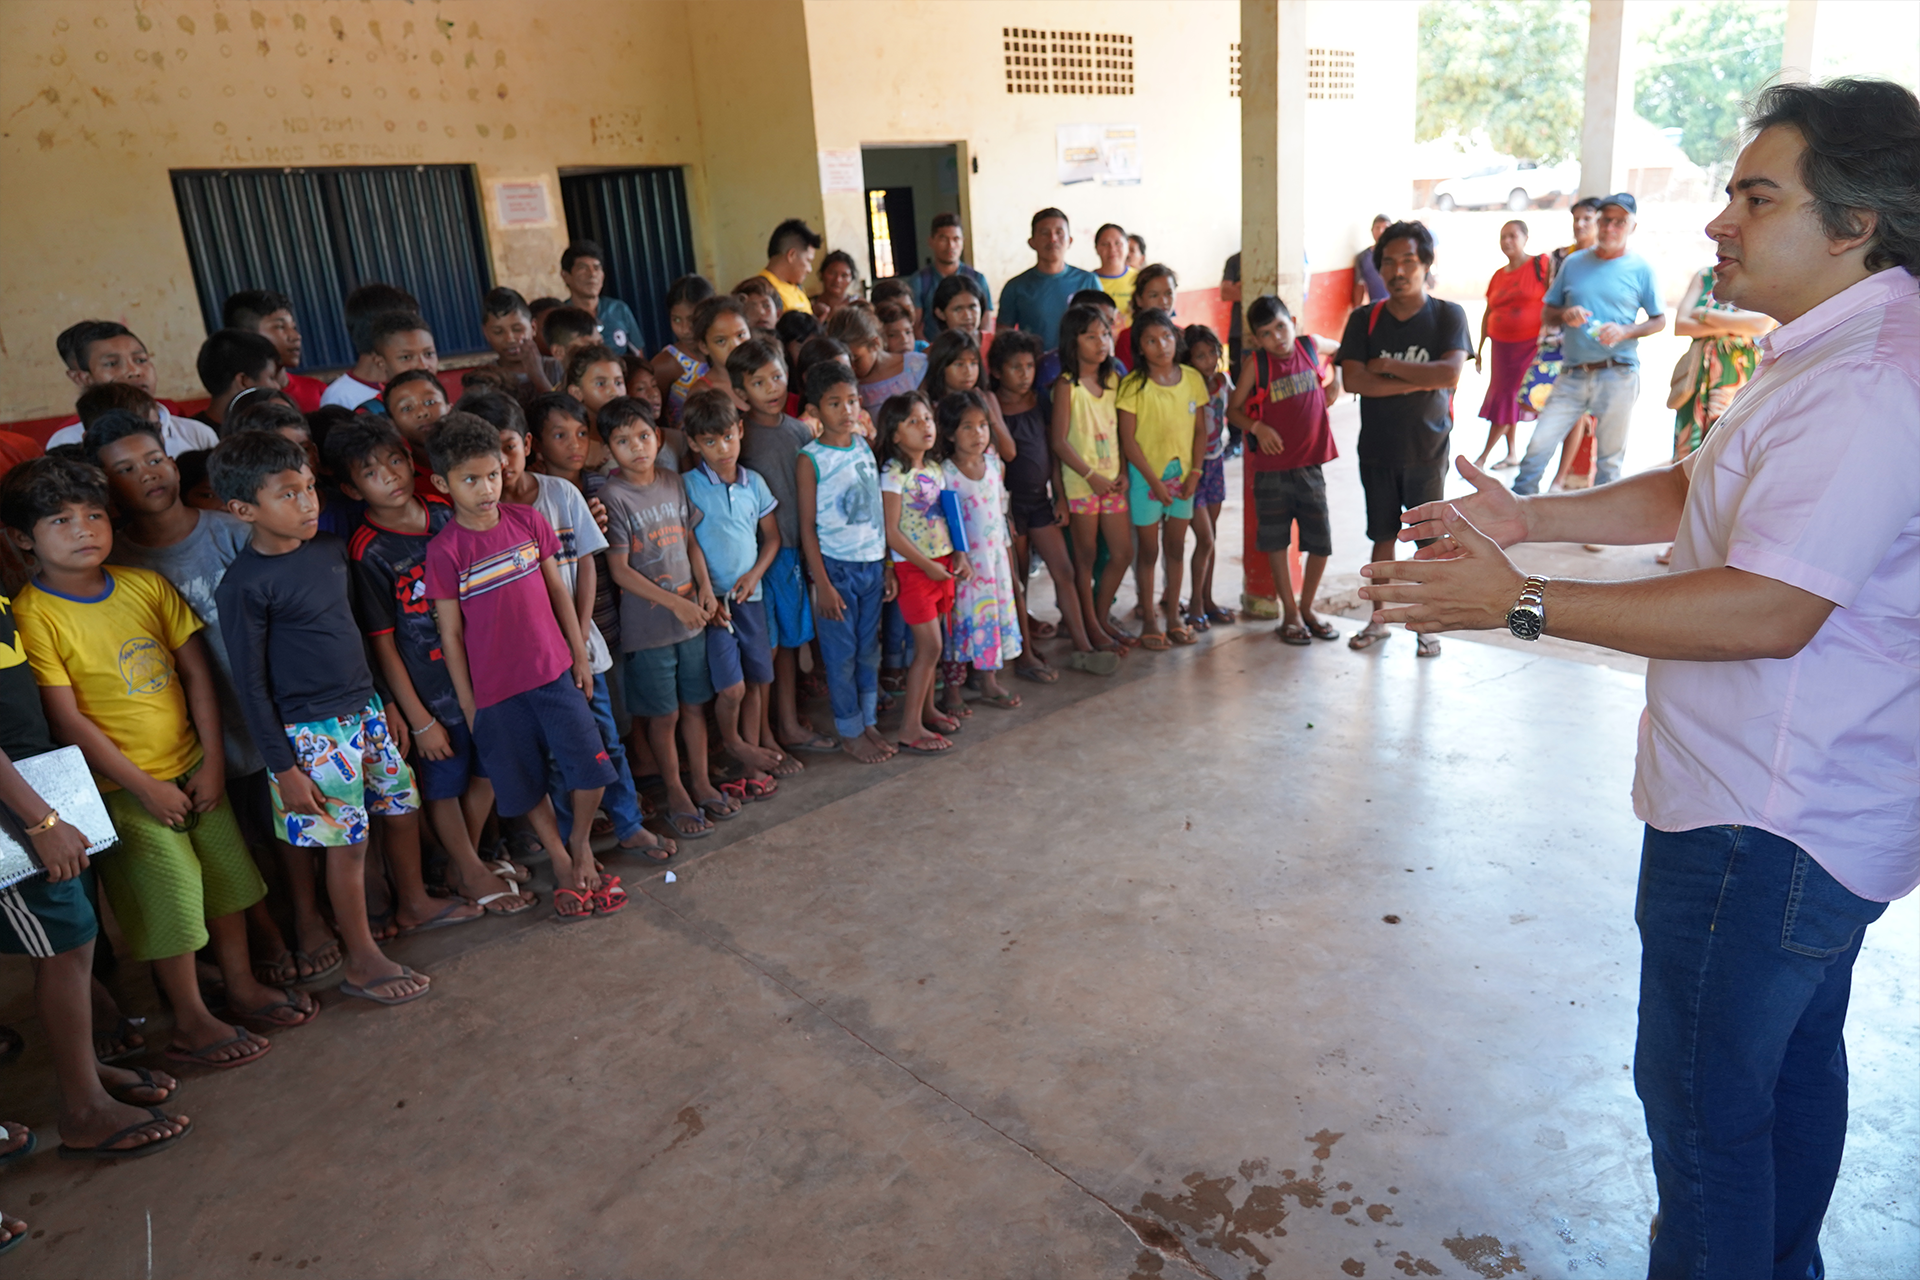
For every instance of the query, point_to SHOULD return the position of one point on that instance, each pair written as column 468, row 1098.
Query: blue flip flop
column 105, row 1150
column 445, row 920
column 22, row 1151
column 367, row 993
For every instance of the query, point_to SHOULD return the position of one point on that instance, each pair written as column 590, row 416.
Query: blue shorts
column 1144, row 509
column 43, row 920
column 447, row 779
column 784, row 593
column 742, row 653
column 661, row 681
column 519, row 736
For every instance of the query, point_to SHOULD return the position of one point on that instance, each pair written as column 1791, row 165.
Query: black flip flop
column 819, row 744
column 118, row 1092
column 105, row 1150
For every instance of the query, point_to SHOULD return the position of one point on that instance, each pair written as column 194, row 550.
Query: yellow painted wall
column 931, row 71
column 103, row 97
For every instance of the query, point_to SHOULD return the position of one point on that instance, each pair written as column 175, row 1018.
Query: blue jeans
column 1747, row 950
column 1609, row 395
column 619, row 800
column 850, row 647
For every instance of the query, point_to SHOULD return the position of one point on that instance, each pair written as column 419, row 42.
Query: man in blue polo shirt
column 1596, row 298
column 583, row 267
column 946, row 241
column 1034, row 300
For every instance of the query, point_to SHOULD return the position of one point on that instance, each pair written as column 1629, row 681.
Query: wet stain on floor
column 1484, row 1255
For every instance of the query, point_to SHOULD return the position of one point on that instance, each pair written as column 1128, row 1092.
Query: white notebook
column 63, row 781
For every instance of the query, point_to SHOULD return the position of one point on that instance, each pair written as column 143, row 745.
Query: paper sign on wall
column 841, row 171
column 1107, row 153
column 522, row 204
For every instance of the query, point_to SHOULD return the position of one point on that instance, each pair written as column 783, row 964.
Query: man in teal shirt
column 1596, row 298
column 1034, row 300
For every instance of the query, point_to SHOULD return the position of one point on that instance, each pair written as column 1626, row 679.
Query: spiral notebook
column 63, row 780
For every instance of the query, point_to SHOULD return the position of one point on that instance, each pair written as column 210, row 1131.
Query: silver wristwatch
column 1528, row 617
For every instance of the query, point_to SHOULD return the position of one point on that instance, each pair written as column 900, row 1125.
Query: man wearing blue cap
column 1596, row 298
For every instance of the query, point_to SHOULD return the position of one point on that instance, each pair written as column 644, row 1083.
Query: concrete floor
column 1256, row 961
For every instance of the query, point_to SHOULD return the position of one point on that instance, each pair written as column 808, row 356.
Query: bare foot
column 752, row 756
column 392, row 981
column 11, row 1229
column 874, row 736
column 218, row 1044
column 863, row 748
column 788, row 766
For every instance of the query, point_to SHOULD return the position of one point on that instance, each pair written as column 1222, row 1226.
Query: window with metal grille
column 1072, row 62
column 1233, row 69
column 317, row 234
column 639, row 216
column 1329, row 73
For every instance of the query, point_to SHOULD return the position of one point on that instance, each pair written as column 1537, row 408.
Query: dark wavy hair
column 1862, row 156
column 1414, row 231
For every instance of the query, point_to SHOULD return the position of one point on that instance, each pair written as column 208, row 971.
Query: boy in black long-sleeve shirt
column 302, row 677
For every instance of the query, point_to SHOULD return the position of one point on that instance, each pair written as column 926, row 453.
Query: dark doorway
column 639, row 216
column 907, row 187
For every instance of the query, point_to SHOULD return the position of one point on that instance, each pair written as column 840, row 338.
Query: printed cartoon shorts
column 357, row 766
column 1099, row 504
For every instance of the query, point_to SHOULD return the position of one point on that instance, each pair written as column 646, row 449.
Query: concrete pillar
column 1609, row 99
column 1273, row 196
column 1796, row 58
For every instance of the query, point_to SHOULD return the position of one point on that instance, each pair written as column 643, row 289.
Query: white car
column 1508, row 184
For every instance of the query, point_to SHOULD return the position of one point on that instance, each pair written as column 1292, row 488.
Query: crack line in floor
column 1150, row 1234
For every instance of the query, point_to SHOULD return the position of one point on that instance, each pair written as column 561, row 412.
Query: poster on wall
column 1105, row 153
column 841, row 170
column 522, row 204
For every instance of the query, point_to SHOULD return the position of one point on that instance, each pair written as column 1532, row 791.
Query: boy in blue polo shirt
column 733, row 520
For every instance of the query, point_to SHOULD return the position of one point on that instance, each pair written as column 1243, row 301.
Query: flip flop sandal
column 199, row 1056
column 17, row 1239
column 1225, row 617
column 508, row 869
column 602, row 826
column 1322, row 631
column 379, row 924
column 1004, row 701
column 119, row 1092
column 106, row 1151
column 752, row 789
column 1043, row 630
column 1428, row 647
column 655, row 852
column 522, row 900
column 717, row 810
column 445, row 920
column 1039, row 675
column 570, row 906
column 1098, row 662
column 369, row 992
column 102, row 1040
column 320, row 974
column 819, row 744
column 263, row 1014
column 1154, row 642
column 281, row 971
column 609, row 898
column 1182, row 635
column 946, row 730
column 21, row 1152
column 1293, row 633
column 919, row 746
column 678, row 822
column 1366, row 638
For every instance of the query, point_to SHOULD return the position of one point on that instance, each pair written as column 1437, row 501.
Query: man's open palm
column 1493, row 510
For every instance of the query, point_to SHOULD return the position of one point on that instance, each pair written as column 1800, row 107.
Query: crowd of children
column 283, row 634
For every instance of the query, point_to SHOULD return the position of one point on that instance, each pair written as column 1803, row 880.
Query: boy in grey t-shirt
column 666, row 601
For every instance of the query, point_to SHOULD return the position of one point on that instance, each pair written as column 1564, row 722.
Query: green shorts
column 42, row 919
column 1144, row 511
column 164, row 885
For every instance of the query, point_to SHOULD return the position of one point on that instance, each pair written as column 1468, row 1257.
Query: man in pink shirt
column 1779, row 756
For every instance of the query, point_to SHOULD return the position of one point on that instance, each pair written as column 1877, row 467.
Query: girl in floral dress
column 984, row 632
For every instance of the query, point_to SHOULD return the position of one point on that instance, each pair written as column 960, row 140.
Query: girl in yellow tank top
column 1086, row 441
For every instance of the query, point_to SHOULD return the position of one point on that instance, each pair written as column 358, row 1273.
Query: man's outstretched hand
column 1463, row 582
column 1493, row 510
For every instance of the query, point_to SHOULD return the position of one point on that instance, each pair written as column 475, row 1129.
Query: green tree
column 1511, row 69
column 1700, row 62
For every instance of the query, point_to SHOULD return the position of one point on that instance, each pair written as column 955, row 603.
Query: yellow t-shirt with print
column 116, row 653
column 792, row 296
column 1163, row 418
column 1120, row 289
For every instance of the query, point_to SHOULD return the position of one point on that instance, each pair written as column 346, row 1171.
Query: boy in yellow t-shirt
column 1163, row 433
column 124, row 675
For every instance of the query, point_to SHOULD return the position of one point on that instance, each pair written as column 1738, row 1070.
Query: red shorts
column 921, row 599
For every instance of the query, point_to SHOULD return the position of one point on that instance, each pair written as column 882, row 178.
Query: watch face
column 1524, row 623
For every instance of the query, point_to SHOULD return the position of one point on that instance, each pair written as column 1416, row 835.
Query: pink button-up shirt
column 1813, row 479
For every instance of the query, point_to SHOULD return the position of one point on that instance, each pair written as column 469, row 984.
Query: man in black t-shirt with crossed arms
column 1403, row 357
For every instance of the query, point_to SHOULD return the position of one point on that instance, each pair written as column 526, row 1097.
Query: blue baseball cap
column 1624, row 199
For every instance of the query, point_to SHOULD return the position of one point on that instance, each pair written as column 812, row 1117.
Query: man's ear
column 1865, row 222
column 80, row 378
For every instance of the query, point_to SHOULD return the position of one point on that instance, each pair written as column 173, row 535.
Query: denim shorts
column 661, row 681
column 742, row 653
column 784, row 593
